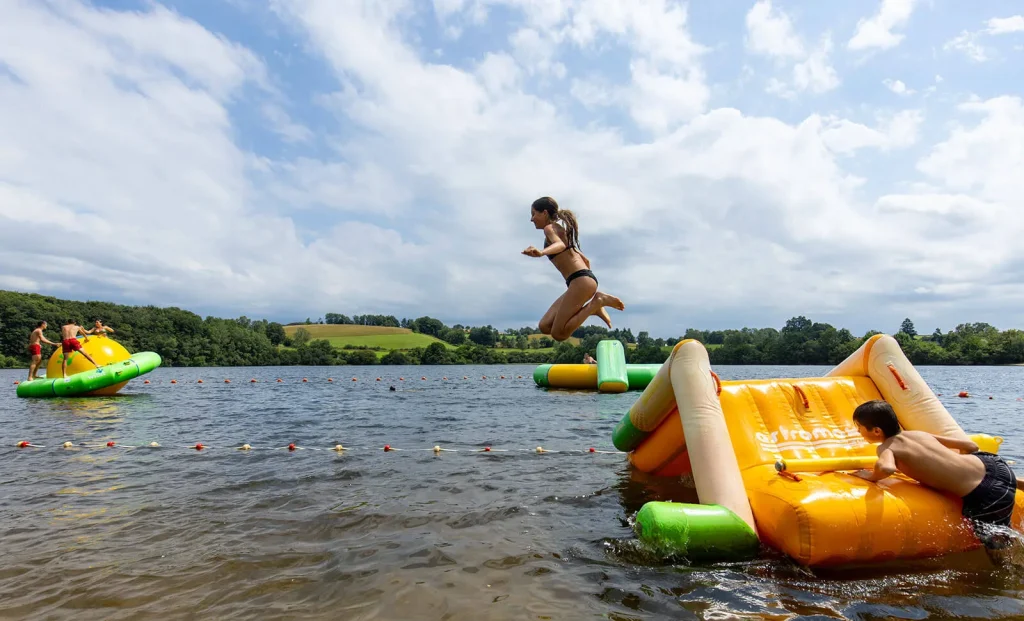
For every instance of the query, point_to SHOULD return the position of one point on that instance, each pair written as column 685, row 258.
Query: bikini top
column 551, row 257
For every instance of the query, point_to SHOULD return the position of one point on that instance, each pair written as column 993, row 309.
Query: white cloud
column 771, row 33
column 283, row 124
column 536, row 52
column 877, row 31
column 896, row 132
column 967, row 42
column 1005, row 25
column 423, row 180
column 816, row 74
column 970, row 42
column 898, row 87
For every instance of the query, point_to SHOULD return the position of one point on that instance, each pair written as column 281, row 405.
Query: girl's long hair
column 566, row 217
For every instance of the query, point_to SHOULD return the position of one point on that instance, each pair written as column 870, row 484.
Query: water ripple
column 119, row 533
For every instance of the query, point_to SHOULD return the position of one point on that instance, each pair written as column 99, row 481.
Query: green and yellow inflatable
column 116, row 368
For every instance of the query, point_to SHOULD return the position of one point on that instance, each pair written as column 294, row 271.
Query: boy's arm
column 82, row 330
column 964, row 446
column 884, row 467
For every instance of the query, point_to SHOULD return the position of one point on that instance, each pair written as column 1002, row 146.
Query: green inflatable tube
column 611, row 367
column 640, row 375
column 84, row 383
column 699, row 533
column 626, row 437
column 540, row 375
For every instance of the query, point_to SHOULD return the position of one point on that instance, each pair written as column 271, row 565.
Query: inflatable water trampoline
column 771, row 460
column 116, row 368
column 610, row 374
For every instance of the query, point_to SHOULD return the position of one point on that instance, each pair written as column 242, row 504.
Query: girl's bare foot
column 604, row 299
column 603, row 314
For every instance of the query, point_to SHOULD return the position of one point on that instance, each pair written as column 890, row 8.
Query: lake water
column 112, row 533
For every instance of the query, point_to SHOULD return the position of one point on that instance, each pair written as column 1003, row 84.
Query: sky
column 731, row 163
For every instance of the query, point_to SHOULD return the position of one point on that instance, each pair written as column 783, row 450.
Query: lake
column 170, row 532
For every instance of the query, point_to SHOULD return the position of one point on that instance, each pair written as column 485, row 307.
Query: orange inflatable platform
column 773, row 460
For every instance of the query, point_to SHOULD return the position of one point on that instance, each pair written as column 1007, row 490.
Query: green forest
column 183, row 338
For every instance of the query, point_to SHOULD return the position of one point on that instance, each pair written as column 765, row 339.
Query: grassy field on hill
column 342, row 336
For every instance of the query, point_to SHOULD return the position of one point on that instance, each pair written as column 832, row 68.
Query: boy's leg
column 89, row 358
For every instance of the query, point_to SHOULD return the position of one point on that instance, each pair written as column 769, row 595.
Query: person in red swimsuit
column 69, row 343
column 35, row 349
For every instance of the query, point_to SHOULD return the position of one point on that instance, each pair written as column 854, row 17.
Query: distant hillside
column 342, row 336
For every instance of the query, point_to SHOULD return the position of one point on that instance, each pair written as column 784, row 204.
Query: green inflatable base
column 84, row 383
column 626, row 437
column 699, row 533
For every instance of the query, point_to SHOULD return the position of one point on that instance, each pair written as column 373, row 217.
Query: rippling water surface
column 169, row 532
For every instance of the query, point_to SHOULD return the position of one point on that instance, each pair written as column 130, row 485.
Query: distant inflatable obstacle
column 610, row 374
column 771, row 460
column 116, row 368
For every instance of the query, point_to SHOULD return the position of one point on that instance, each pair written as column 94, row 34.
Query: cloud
column 770, row 33
column 400, row 180
column 967, row 42
column 1005, row 25
column 898, row 87
column 877, row 31
column 970, row 43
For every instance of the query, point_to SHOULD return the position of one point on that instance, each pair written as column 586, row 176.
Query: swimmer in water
column 561, row 247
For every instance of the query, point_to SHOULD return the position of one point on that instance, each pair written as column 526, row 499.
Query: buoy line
column 337, row 448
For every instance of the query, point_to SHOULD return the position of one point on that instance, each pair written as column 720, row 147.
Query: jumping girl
column 561, row 246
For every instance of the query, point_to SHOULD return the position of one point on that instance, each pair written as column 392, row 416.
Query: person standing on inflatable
column 100, row 329
column 561, row 246
column 69, row 343
column 36, row 350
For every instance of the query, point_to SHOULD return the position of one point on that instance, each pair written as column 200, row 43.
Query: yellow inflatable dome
column 102, row 349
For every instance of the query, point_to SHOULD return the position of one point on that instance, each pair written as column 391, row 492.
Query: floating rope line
column 292, row 447
column 330, row 380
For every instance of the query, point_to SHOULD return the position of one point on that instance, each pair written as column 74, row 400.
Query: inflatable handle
column 718, row 383
column 896, row 374
column 803, row 395
column 826, row 464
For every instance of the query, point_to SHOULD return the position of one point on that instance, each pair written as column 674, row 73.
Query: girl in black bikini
column 561, row 246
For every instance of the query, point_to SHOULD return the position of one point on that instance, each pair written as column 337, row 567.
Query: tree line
column 183, row 338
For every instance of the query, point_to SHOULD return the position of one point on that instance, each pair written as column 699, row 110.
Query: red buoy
column 146, row 382
column 387, row 447
column 227, row 381
column 487, row 449
column 174, row 381
column 592, row 450
column 291, row 447
column 110, row 444
column 24, row 443
column 252, row 381
column 199, row 446
column 963, row 394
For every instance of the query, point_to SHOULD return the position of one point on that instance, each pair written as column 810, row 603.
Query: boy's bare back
column 928, row 459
